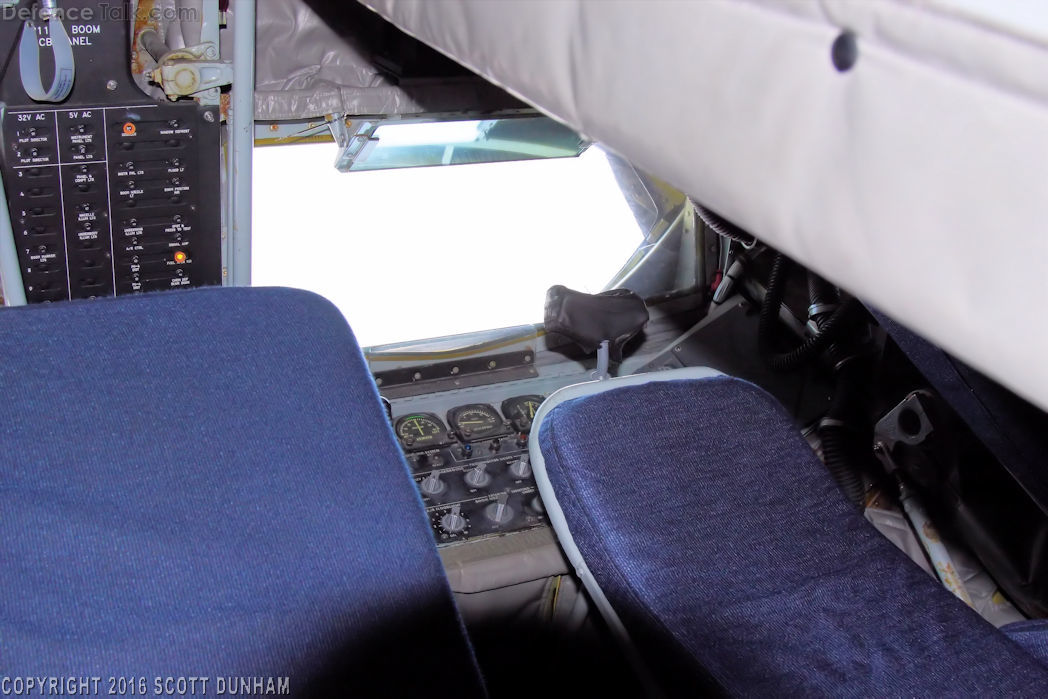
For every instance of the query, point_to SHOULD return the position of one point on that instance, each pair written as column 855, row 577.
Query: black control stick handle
column 614, row 316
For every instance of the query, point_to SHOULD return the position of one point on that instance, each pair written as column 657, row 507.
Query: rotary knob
column 499, row 511
column 478, row 477
column 521, row 468
column 536, row 506
column 432, row 484
column 453, row 522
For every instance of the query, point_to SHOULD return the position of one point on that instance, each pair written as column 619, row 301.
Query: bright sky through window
column 426, row 252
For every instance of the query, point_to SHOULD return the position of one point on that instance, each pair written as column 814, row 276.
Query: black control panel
column 474, row 473
column 110, row 192
column 112, row 200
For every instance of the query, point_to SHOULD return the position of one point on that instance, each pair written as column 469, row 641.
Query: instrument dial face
column 476, row 421
column 421, row 431
column 521, row 410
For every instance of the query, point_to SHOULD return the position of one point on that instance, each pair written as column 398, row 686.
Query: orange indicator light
column 180, row 257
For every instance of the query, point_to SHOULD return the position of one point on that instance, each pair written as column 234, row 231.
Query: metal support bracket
column 193, row 71
column 350, row 143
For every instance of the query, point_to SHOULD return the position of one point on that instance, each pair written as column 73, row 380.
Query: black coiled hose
column 841, row 441
column 821, row 294
column 840, row 431
column 722, row 226
column 769, row 318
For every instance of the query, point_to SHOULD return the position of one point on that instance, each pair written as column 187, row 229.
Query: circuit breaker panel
column 110, row 192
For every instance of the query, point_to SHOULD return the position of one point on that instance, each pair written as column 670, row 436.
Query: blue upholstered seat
column 725, row 549
column 1031, row 635
column 204, row 483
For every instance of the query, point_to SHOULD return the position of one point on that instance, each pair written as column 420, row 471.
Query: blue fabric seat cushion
column 205, row 483
column 1031, row 635
column 723, row 544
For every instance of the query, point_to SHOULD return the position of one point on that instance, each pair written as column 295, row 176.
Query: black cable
column 723, row 227
column 769, row 319
column 840, row 431
column 821, row 295
column 815, row 344
column 774, row 293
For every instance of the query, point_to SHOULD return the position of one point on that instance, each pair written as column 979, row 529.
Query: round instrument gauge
column 476, row 421
column 521, row 410
column 421, row 431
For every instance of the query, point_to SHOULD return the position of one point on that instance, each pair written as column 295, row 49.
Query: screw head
column 112, row 85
